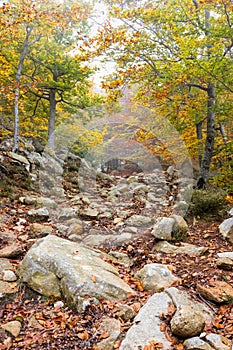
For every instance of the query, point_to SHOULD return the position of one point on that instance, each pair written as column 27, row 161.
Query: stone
column 107, row 240
column 126, row 312
column 230, row 212
column 209, row 341
column 20, row 159
column 40, row 213
column 121, row 257
column 39, row 230
column 218, row 291
column 146, row 325
column 55, row 266
column 163, row 228
column 189, row 249
column 182, row 299
column 218, row 342
column 8, row 276
column 140, row 221
column 46, row 202
column 196, row 343
column 11, row 251
column 5, row 265
column 75, row 229
column 13, row 327
column 67, row 213
column 226, row 255
column 7, row 288
column 226, row 229
column 91, row 213
column 187, row 322
column 225, row 263
column 180, row 223
column 111, row 327
column 155, row 277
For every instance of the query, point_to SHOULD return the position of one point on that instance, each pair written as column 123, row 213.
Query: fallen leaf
column 83, row 336
column 93, row 278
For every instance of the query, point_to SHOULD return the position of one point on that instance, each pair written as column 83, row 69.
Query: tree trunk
column 209, row 143
column 52, row 117
column 200, row 140
column 223, row 133
column 17, row 89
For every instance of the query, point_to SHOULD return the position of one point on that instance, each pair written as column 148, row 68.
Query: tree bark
column 52, row 117
column 17, row 89
column 210, row 135
column 200, row 140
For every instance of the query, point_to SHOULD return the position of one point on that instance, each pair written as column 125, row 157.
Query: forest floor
column 47, row 327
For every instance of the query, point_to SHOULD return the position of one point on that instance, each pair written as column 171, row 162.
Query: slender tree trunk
column 17, row 89
column 210, row 135
column 200, row 140
column 52, row 117
column 223, row 133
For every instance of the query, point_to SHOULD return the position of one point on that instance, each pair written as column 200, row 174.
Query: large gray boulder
column 55, row 266
column 147, row 323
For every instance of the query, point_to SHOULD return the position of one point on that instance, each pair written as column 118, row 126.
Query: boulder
column 163, row 228
column 155, row 277
column 226, row 229
column 55, row 266
column 182, row 299
column 187, row 322
column 146, row 325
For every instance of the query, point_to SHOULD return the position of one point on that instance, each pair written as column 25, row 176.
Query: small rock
column 189, row 249
column 163, row 228
column 187, row 322
column 11, row 251
column 39, row 230
column 230, row 212
column 59, row 304
column 126, row 312
column 218, row 342
column 41, row 213
column 89, row 213
column 5, row 265
column 75, row 229
column 139, row 220
column 196, row 343
column 208, row 342
column 13, row 327
column 225, row 263
column 218, row 291
column 155, row 277
column 111, row 328
column 9, row 276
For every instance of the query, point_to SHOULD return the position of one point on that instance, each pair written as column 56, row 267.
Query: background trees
column 41, row 65
column 179, row 54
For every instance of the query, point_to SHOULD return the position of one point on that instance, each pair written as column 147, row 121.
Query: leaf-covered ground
column 47, row 326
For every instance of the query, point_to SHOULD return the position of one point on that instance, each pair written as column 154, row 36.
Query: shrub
column 210, row 202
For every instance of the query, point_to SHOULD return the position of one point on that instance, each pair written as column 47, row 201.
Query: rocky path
column 115, row 265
